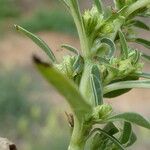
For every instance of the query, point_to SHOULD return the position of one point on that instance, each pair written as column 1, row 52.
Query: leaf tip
column 38, row 61
column 16, row 27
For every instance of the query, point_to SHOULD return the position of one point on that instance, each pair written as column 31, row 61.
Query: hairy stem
column 75, row 11
column 79, row 136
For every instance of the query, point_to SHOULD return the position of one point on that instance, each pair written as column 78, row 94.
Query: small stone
column 5, row 144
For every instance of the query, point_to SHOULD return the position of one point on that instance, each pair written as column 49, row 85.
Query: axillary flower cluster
column 105, row 66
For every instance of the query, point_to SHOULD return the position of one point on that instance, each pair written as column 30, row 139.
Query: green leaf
column 99, row 5
column 78, row 64
column 143, row 75
column 127, row 131
column 124, row 46
column 119, row 4
column 110, row 128
column 132, row 140
column 131, row 117
column 70, row 48
column 100, row 141
column 65, row 87
column 37, row 41
column 112, row 138
column 127, row 85
column 111, row 44
column 145, row 56
column 140, row 24
column 145, row 43
column 119, row 92
column 101, row 60
column 96, row 85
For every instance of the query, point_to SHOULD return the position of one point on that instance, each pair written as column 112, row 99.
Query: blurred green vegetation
column 9, row 9
column 44, row 16
column 31, row 124
column 47, row 20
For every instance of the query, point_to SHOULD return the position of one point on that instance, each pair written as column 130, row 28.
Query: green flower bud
column 66, row 67
column 92, row 20
column 102, row 112
column 107, row 28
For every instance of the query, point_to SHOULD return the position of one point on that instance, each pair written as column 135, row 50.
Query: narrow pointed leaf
column 112, row 138
column 123, row 43
column 132, row 140
column 140, row 24
column 127, row 131
column 145, row 56
column 99, row 138
column 78, row 64
column 96, row 84
column 70, row 48
column 110, row 128
column 145, row 43
column 65, row 87
column 99, row 6
column 111, row 44
column 119, row 4
column 101, row 60
column 127, row 85
column 131, row 117
column 143, row 75
column 37, row 41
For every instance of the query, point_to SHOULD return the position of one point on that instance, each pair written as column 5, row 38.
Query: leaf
column 119, row 4
column 127, row 131
column 143, row 75
column 101, row 60
column 119, row 92
column 111, row 44
column 96, row 85
column 99, row 138
column 127, row 85
column 140, row 24
column 70, row 48
column 112, row 138
column 147, row 57
column 132, row 140
column 124, row 46
column 110, row 128
column 37, row 41
column 65, row 87
column 145, row 43
column 78, row 64
column 99, row 5
column 131, row 117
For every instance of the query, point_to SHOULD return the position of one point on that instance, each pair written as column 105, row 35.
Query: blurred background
column 32, row 112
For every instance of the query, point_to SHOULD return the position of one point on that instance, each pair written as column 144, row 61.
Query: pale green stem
column 81, row 30
column 79, row 136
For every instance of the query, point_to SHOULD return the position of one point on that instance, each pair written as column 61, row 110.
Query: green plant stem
column 79, row 136
column 85, row 87
column 80, row 27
